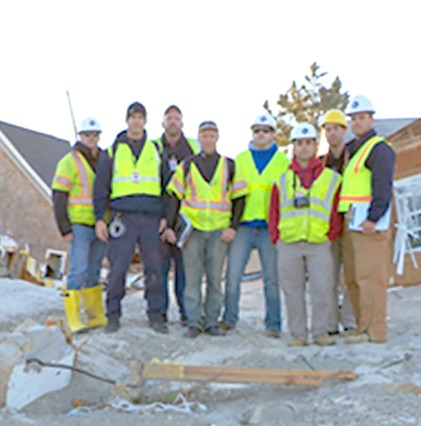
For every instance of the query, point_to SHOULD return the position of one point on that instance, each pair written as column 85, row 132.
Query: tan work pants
column 366, row 264
column 294, row 260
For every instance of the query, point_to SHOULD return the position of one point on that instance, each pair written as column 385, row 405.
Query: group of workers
column 300, row 216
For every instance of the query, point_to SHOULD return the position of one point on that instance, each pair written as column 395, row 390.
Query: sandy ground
column 385, row 392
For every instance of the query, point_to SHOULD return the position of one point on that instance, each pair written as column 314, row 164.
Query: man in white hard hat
column 259, row 165
column 303, row 221
column 335, row 126
column 73, row 206
column 365, row 201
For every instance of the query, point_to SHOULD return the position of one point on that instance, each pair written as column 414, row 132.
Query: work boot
column 113, row 325
column 159, row 327
column 348, row 332
column 184, row 321
column 72, row 309
column 357, row 338
column 324, row 340
column 225, row 326
column 94, row 307
column 215, row 330
column 192, row 332
column 297, row 342
column 272, row 333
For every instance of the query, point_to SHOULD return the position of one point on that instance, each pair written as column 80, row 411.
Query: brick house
column 27, row 164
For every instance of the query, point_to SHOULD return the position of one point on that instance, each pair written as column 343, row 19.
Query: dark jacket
column 133, row 203
column 60, row 198
column 381, row 162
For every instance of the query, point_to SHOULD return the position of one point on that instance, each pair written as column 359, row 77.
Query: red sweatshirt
column 306, row 177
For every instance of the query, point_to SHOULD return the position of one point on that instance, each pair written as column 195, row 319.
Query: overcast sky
column 217, row 60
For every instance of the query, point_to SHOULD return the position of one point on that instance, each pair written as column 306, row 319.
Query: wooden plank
column 178, row 372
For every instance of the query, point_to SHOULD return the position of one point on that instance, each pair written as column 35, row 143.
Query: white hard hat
column 90, row 125
column 303, row 131
column 359, row 104
column 264, row 120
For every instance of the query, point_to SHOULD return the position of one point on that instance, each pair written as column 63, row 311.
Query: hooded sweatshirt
column 307, row 177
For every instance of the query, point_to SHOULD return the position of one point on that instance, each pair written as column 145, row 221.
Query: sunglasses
column 307, row 142
column 256, row 131
column 90, row 134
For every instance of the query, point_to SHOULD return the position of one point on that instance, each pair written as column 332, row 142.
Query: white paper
column 358, row 215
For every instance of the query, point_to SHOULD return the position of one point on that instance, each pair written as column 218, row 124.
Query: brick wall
column 25, row 214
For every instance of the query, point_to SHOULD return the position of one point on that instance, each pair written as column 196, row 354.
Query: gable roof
column 385, row 126
column 35, row 153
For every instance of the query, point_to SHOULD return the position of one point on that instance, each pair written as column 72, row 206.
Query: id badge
column 172, row 162
column 135, row 177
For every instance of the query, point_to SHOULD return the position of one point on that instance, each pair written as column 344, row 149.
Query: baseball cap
column 135, row 107
column 208, row 125
column 173, row 107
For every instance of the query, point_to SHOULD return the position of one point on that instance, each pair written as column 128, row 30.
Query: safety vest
column 193, row 144
column 206, row 204
column 356, row 183
column 75, row 176
column 135, row 177
column 312, row 223
column 259, row 185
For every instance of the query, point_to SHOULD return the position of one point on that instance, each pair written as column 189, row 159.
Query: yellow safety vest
column 356, row 183
column 75, row 176
column 193, row 144
column 310, row 223
column 135, row 177
column 206, row 204
column 259, row 185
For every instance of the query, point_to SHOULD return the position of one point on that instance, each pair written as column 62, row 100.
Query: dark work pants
column 142, row 229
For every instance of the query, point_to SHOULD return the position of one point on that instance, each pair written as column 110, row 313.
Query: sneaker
column 274, row 334
column 357, row 338
column 324, row 340
column 215, row 330
column 112, row 326
column 159, row 327
column 297, row 341
column 225, row 326
column 184, row 320
column 192, row 332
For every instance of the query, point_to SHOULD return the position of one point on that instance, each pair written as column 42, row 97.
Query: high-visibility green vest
column 135, row 177
column 259, row 185
column 312, row 223
column 356, row 182
column 193, row 144
column 207, row 204
column 75, row 176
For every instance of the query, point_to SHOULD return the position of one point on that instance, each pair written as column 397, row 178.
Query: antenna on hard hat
column 71, row 113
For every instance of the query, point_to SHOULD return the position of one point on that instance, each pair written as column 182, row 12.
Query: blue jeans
column 246, row 239
column 86, row 253
column 169, row 253
column 204, row 252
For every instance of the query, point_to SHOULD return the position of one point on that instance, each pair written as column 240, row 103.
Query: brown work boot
column 297, row 342
column 357, row 338
column 225, row 326
column 324, row 340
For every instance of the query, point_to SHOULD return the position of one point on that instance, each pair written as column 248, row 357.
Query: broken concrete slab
column 21, row 385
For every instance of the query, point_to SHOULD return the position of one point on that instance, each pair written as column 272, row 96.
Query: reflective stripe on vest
column 310, row 223
column 78, row 185
column 207, row 205
column 135, row 177
column 356, row 183
column 259, row 184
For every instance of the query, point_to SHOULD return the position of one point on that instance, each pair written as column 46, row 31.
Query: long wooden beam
column 199, row 373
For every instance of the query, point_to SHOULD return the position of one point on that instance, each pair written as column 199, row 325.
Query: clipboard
column 183, row 229
column 358, row 214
